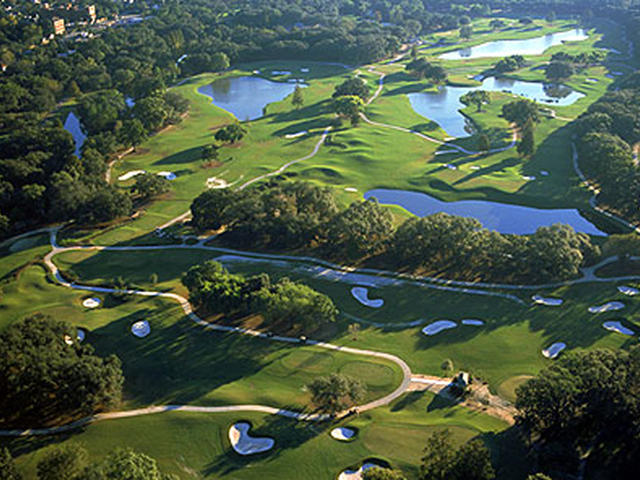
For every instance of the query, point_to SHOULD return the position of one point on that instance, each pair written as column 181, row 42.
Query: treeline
column 46, row 374
column 287, row 305
column 301, row 216
column 582, row 415
column 606, row 134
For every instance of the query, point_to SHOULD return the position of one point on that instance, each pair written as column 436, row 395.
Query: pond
column 443, row 106
column 529, row 46
column 501, row 217
column 246, row 97
column 73, row 126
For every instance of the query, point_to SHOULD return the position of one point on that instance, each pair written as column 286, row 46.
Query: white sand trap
column 304, row 70
column 549, row 302
column 244, row 444
column 215, row 182
column 607, row 307
column 280, row 72
column 256, row 72
column 296, row 135
column 80, row 335
column 129, row 175
column 628, row 290
column 475, row 167
column 437, row 327
column 451, row 167
column 615, row 326
column 93, row 302
column 141, row 329
column 544, row 173
column 357, row 474
column 473, row 322
column 362, row 295
column 554, row 350
column 167, row 175
column 592, row 80
column 351, row 189
column 528, row 178
column 343, row 434
column 68, row 340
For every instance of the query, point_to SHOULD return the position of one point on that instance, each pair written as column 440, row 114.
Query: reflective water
column 246, row 97
column 443, row 106
column 73, row 126
column 501, row 217
column 530, row 46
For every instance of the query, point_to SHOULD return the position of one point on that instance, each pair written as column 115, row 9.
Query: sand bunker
column 592, row 80
column 451, row 167
column 475, row 167
column 304, row 70
column 607, row 307
column 473, row 322
column 80, row 335
column 344, row 434
column 362, row 295
column 550, row 302
column 214, row 182
column 280, row 72
column 296, row 135
column 351, row 189
column 544, row 173
column 141, row 329
column 628, row 290
column 167, row 175
column 129, row 175
column 93, row 302
column 615, row 326
column 554, row 350
column 528, row 178
column 357, row 474
column 244, row 444
column 437, row 327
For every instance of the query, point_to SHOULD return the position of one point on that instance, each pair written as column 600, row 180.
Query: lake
column 73, row 126
column 246, row 97
column 443, row 106
column 504, row 48
column 501, row 217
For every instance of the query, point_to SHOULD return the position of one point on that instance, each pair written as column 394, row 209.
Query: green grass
column 193, row 445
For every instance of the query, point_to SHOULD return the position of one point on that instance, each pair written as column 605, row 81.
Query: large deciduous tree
column 335, row 393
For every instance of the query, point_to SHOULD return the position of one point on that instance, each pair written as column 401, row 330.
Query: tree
column 622, row 245
column 354, row 330
column 127, row 464
column 62, row 462
column 484, row 143
column 298, row 99
column 496, row 24
column 208, row 208
column 352, row 86
column 231, row 133
column 473, row 462
column 56, row 379
column 466, row 31
column 349, row 106
column 8, row 470
column 477, row 98
column 380, row 473
column 421, row 68
column 439, row 457
column 133, row 133
column 557, row 71
column 441, row 461
column 151, row 111
column 447, row 366
column 527, row 146
column 414, row 51
column 335, row 393
column 219, row 62
column 520, row 111
column 149, row 185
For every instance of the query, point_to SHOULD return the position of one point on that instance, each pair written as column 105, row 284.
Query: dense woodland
column 301, row 216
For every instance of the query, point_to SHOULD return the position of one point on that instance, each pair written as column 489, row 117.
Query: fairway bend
column 188, row 310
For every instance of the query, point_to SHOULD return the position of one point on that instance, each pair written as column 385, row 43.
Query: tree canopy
column 335, row 393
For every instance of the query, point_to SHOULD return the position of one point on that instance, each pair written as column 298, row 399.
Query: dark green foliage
column 442, row 461
column 586, row 402
column 466, row 31
column 62, row 462
column 527, row 144
column 43, row 378
column 521, row 111
column 423, row 69
column 477, row 98
column 335, row 393
column 149, row 185
column 297, row 100
column 380, row 473
column 353, row 86
column 231, row 133
column 8, row 469
column 208, row 209
column 509, row 64
column 349, row 106
column 557, row 71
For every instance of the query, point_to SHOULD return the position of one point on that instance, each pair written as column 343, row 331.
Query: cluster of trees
column 477, row 98
column 298, row 215
column 422, row 69
column 606, row 133
column 509, row 64
column 70, row 461
column 563, row 64
column 442, row 461
column 581, row 414
column 349, row 99
column 287, row 304
column 336, row 393
column 524, row 114
column 46, row 374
